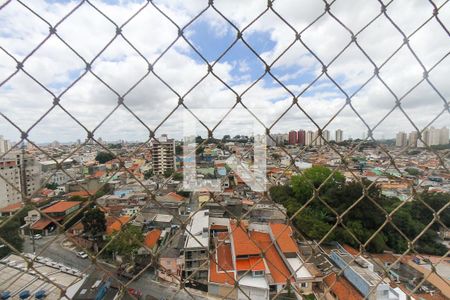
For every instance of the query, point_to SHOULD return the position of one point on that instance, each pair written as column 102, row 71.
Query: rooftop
column 282, row 233
column 152, row 237
column 199, row 221
column 242, row 243
column 61, row 206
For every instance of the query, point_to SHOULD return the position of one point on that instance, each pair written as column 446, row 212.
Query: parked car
column 36, row 237
column 82, row 254
column 135, row 292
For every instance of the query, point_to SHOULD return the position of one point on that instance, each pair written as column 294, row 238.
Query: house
column 340, row 288
column 170, row 261
column 10, row 209
column 116, row 224
column 62, row 209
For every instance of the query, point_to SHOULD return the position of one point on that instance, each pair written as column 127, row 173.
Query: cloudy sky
column 117, row 69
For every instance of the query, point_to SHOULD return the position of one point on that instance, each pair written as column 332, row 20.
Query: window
column 258, row 273
column 304, row 284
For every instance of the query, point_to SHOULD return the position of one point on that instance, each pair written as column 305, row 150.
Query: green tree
column 10, row 233
column 178, row 150
column 103, row 157
column 302, row 185
column 168, row 173
column 94, row 223
column 52, row 186
column 412, row 171
column 148, row 174
column 126, row 242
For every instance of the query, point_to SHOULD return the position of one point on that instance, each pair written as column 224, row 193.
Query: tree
column 365, row 216
column 302, row 185
column 178, row 150
column 148, row 174
column 177, row 176
column 103, row 157
column 10, row 233
column 51, row 186
column 168, row 173
column 126, row 242
column 412, row 171
column 94, row 223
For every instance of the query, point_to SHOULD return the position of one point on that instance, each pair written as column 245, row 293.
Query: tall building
column 401, row 139
column 292, row 137
column 425, row 138
column 326, row 135
column 301, row 135
column 4, row 145
column 444, row 136
column 22, row 175
column 412, row 139
column 309, row 138
column 339, row 136
column 163, row 154
column 434, row 136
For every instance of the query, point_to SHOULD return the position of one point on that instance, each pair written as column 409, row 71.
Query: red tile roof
column 41, row 224
column 117, row 225
column 282, row 233
column 61, row 206
column 218, row 276
column 351, row 250
column 152, row 237
column 224, row 257
column 242, row 243
column 82, row 193
column 12, row 207
column 222, row 273
column 252, row 263
column 278, row 269
column 342, row 288
column 175, row 196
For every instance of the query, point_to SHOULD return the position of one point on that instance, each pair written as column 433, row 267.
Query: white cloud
column 87, row 31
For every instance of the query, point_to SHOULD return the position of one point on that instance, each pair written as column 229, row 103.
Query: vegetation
column 168, row 173
column 412, row 171
column 51, row 186
column 126, row 242
column 178, row 150
column 148, row 174
column 94, row 223
column 10, row 232
column 364, row 218
column 103, row 157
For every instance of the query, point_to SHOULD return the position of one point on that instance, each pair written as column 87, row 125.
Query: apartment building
column 21, row 174
column 196, row 248
column 163, row 155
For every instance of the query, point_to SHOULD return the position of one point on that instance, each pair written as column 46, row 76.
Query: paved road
column 50, row 247
column 55, row 251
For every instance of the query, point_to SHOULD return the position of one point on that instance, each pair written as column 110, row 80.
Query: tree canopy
column 126, row 242
column 94, row 222
column 103, row 157
column 366, row 215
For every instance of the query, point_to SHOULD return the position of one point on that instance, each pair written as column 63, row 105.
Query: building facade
column 163, row 155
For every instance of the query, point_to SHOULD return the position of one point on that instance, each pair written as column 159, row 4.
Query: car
column 135, row 292
column 36, row 237
column 82, row 254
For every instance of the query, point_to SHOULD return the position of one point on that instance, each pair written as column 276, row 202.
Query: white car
column 36, row 237
column 82, row 254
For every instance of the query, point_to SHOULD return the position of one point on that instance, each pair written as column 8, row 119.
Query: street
column 55, row 250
